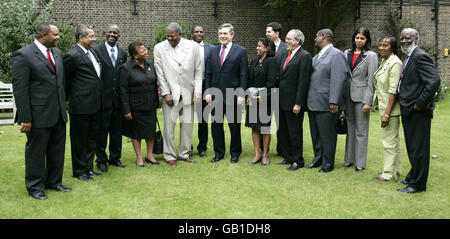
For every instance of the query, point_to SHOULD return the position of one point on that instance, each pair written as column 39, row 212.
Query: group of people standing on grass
column 109, row 94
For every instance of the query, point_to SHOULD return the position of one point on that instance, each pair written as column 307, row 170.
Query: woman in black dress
column 139, row 97
column 263, row 75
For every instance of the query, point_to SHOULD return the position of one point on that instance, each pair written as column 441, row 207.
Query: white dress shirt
column 114, row 49
column 324, row 50
column 43, row 49
column 226, row 50
column 93, row 60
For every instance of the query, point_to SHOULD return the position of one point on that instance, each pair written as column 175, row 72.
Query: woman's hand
column 128, row 116
column 384, row 121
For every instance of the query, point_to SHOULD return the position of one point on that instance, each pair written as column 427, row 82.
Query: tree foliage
column 18, row 21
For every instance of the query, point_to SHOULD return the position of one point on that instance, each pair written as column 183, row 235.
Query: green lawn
column 225, row 190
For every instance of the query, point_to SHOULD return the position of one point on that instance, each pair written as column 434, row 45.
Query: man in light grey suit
column 325, row 99
column 179, row 69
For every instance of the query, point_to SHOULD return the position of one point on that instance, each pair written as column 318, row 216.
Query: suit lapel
column 292, row 59
column 41, row 57
column 408, row 64
column 86, row 59
column 230, row 53
column 360, row 59
column 105, row 55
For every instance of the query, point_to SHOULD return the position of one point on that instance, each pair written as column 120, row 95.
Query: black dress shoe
column 325, row 170
column 359, row 170
column 254, row 162
column 347, row 165
column 402, row 182
column 202, row 154
column 148, row 161
column 61, row 188
column 102, row 167
column 234, row 159
column 84, row 177
column 216, row 159
column 117, row 163
column 284, row 162
column 92, row 173
column 409, row 190
column 313, row 165
column 295, row 166
column 38, row 195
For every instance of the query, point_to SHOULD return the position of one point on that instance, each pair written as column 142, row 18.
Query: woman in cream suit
column 362, row 64
column 386, row 81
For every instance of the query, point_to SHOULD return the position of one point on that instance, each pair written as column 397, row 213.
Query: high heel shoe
column 148, row 161
column 359, row 169
column 140, row 165
column 252, row 163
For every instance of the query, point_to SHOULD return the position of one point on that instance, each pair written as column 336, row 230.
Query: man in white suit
column 179, row 68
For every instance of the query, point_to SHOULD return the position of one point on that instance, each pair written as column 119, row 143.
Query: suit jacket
column 294, row 80
column 386, row 81
column 38, row 89
column 207, row 48
column 419, row 83
column 360, row 82
column 282, row 48
column 110, row 74
column 328, row 80
column 179, row 75
column 83, row 86
column 232, row 74
column 266, row 76
column 138, row 87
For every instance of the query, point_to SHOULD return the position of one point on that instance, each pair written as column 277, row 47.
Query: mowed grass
column 225, row 190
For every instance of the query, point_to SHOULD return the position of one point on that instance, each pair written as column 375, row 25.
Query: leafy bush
column 18, row 21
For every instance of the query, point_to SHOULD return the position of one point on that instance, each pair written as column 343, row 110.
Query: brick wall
column 249, row 19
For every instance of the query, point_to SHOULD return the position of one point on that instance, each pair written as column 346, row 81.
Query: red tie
column 50, row 59
column 222, row 54
column 287, row 60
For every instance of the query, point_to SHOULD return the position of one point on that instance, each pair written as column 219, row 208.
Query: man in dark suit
column 325, row 99
column 38, row 85
column 418, row 84
column 226, row 68
column 273, row 32
column 198, row 36
column 295, row 75
column 111, row 57
column 84, row 93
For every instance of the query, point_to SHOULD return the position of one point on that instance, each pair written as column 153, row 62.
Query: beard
column 408, row 49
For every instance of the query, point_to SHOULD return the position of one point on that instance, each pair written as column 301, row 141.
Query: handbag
column 342, row 124
column 158, row 146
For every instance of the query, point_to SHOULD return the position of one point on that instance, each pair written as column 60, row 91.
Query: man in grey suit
column 179, row 68
column 38, row 83
column 325, row 99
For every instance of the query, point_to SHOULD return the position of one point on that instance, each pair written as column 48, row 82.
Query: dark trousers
column 84, row 132
column 291, row 136
column 111, row 124
column 417, row 129
column 44, row 156
column 324, row 137
column 202, row 129
column 234, row 123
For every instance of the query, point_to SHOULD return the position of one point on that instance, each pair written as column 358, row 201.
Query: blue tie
column 113, row 57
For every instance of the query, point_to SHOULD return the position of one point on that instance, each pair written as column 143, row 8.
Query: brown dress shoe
column 172, row 163
column 189, row 160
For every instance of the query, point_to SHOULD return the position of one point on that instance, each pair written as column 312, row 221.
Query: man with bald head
column 418, row 84
column 111, row 57
column 38, row 83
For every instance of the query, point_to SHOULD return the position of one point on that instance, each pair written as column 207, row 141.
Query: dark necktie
column 50, row 59
column 287, row 60
column 222, row 55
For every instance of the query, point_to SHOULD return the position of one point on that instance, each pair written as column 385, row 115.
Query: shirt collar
column 277, row 44
column 108, row 47
column 414, row 47
column 41, row 47
column 84, row 49
column 229, row 45
column 325, row 49
column 295, row 50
